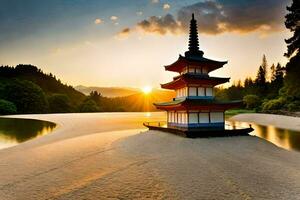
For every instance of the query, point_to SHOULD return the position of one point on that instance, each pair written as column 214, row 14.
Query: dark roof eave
column 197, row 102
column 185, row 80
column 182, row 58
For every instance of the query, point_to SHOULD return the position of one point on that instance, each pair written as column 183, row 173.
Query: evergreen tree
column 261, row 78
column 273, row 72
column 292, row 83
column 292, row 23
column 276, row 80
column 264, row 65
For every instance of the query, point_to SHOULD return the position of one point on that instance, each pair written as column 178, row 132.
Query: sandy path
column 81, row 161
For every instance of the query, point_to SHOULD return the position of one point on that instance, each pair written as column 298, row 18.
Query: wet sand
column 111, row 156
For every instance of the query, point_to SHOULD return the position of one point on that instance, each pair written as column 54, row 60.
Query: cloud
column 154, row 1
column 98, row 21
column 166, row 6
column 216, row 17
column 160, row 25
column 114, row 18
column 124, row 33
column 139, row 13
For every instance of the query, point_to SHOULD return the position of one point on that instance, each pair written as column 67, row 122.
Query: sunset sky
column 127, row 42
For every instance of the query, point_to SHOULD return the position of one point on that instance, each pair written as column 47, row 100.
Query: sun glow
column 147, row 89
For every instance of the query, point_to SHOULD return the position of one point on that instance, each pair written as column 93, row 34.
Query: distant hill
column 108, row 91
column 138, row 101
column 144, row 102
column 27, row 89
column 28, row 79
column 128, row 99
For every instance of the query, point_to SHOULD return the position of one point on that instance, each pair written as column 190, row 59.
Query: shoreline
column 112, row 156
column 278, row 121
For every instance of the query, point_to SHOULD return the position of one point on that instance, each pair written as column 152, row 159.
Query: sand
column 111, row 156
column 279, row 121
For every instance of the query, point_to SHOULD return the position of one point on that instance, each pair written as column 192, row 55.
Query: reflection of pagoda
column 195, row 107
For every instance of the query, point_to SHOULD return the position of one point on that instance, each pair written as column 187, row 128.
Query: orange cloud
column 98, row 21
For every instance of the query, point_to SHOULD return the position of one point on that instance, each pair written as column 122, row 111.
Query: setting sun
column 147, row 89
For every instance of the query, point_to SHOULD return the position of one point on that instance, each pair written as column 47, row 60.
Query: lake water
column 15, row 131
column 283, row 138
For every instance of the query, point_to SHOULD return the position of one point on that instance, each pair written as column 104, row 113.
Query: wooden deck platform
column 199, row 133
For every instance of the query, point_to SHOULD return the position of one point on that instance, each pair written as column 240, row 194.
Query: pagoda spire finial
column 193, row 40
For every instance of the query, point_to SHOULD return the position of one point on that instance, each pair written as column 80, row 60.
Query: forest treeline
column 278, row 90
column 264, row 93
column 26, row 89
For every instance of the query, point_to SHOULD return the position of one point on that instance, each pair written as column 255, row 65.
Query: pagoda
column 195, row 108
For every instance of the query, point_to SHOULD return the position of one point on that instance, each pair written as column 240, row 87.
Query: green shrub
column 89, row 106
column 7, row 107
column 274, row 104
column 251, row 101
column 294, row 106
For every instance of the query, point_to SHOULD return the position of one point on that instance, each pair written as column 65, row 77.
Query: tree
column 95, row 96
column 277, row 78
column 251, row 101
column 261, row 77
column 27, row 96
column 59, row 103
column 292, row 20
column 264, row 65
column 89, row 106
column 273, row 73
column 291, row 82
column 7, row 107
column 248, row 82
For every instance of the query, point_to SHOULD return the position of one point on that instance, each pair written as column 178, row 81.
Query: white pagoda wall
column 195, row 70
column 205, row 92
column 195, row 119
column 182, row 92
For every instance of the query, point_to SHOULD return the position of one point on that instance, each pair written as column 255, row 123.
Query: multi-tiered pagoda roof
column 194, row 69
column 195, row 112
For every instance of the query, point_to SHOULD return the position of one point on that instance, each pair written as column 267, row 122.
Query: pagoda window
column 198, row 71
column 209, row 92
column 193, row 118
column 191, row 70
column 216, row 117
column 185, row 91
column 184, row 118
column 182, row 92
column 204, row 71
column 192, row 91
column 201, row 91
column 169, row 116
column 203, row 117
column 172, row 117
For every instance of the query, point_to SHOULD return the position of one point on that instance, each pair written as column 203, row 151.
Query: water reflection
column 283, row 138
column 14, row 131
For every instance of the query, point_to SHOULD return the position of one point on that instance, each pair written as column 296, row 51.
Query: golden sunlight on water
column 286, row 139
column 15, row 131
